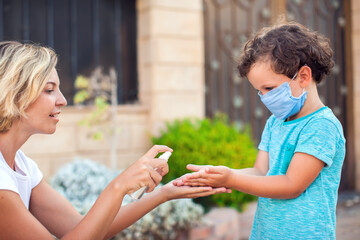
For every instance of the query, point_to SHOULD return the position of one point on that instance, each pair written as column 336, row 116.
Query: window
column 84, row 33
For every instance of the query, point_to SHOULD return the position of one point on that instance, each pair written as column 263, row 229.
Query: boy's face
column 264, row 79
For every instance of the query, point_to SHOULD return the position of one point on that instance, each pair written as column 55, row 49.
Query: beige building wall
column 171, row 85
column 171, row 59
column 355, row 15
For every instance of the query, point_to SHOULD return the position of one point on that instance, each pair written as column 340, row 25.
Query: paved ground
column 348, row 218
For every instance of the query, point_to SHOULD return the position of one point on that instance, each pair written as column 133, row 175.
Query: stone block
column 355, row 5
column 147, row 51
column 140, row 136
column 355, row 15
column 143, row 24
column 146, row 78
column 178, row 78
column 125, row 159
column 174, row 23
column 355, row 41
column 169, row 106
column 189, row 5
column 157, row 126
column 85, row 141
column 178, row 51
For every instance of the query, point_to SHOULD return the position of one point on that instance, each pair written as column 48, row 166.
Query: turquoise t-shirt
column 312, row 214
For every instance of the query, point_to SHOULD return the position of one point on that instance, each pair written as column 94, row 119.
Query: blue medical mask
column 281, row 103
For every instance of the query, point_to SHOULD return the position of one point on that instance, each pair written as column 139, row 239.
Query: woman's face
column 43, row 113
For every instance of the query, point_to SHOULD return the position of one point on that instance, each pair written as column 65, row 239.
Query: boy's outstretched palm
column 206, row 175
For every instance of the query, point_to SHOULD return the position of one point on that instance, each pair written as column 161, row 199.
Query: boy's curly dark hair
column 288, row 47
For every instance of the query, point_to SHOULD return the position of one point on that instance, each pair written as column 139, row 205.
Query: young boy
column 297, row 170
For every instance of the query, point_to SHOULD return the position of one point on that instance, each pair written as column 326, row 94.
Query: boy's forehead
column 262, row 75
column 260, row 67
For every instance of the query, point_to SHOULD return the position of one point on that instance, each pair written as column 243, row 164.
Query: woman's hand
column 147, row 171
column 170, row 191
column 214, row 176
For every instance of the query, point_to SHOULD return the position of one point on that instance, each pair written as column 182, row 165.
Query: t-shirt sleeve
column 319, row 138
column 265, row 136
column 35, row 173
column 7, row 182
column 33, row 170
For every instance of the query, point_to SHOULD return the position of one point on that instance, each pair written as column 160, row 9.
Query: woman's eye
column 49, row 90
column 269, row 88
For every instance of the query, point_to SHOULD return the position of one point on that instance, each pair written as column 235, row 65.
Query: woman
column 30, row 103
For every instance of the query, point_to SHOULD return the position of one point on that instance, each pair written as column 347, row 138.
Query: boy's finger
column 195, row 175
column 195, row 168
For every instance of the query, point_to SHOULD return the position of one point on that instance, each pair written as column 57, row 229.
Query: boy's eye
column 269, row 88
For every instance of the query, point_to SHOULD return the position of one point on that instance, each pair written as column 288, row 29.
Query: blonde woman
column 30, row 103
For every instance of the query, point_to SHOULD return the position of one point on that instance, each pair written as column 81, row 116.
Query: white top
column 25, row 177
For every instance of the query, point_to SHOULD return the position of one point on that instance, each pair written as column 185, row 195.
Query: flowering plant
column 82, row 181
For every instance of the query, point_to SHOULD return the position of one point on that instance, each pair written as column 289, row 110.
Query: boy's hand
column 214, row 176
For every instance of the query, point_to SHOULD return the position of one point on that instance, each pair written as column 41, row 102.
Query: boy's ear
column 305, row 76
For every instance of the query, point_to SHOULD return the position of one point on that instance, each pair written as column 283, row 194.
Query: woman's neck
column 10, row 143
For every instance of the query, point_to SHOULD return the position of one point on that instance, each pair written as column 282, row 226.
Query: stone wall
column 171, row 59
column 355, row 34
column 171, row 85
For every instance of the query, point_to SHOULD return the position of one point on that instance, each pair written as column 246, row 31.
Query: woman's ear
column 305, row 76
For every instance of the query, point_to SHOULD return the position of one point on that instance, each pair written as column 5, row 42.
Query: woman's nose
column 61, row 100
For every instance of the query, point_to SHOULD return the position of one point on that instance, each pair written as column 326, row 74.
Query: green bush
column 209, row 142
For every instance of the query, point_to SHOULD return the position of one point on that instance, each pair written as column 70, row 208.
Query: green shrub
column 209, row 142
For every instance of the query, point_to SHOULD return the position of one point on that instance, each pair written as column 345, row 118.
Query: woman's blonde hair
column 24, row 69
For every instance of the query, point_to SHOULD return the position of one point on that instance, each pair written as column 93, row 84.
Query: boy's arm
column 261, row 166
column 301, row 173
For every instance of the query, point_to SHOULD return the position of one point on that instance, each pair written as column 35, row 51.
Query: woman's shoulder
column 25, row 163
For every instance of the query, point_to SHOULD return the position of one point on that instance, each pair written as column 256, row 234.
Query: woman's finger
column 196, row 183
column 156, row 176
column 206, row 193
column 161, row 165
column 156, row 149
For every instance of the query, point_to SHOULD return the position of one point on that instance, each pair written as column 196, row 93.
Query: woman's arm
column 132, row 212
column 49, row 212
column 16, row 222
column 301, row 173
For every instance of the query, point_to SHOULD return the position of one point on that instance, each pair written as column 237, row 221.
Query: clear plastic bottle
column 139, row 193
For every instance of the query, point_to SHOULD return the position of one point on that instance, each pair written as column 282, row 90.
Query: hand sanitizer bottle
column 139, row 193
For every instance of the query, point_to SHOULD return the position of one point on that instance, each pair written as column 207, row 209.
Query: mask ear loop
column 293, row 78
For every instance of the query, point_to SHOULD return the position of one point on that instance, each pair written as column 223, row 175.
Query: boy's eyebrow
column 267, row 86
